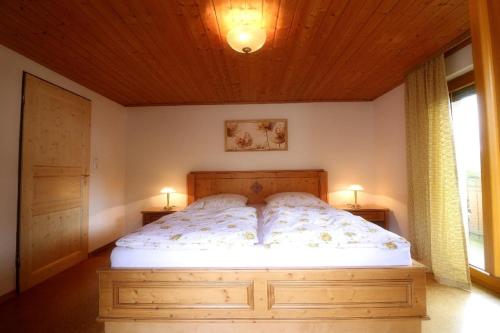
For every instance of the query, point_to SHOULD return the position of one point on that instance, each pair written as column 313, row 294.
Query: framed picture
column 256, row 135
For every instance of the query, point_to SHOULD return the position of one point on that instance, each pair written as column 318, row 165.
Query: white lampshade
column 166, row 190
column 246, row 38
column 356, row 187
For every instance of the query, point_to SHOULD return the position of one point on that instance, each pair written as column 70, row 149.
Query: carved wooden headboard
column 256, row 185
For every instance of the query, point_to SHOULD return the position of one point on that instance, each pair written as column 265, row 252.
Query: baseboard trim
column 103, row 248
column 5, row 297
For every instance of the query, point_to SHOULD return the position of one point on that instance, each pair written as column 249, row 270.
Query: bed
column 269, row 294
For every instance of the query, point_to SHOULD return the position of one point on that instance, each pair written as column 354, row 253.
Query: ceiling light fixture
column 247, row 34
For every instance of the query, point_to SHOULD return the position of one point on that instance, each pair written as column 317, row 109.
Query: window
column 465, row 116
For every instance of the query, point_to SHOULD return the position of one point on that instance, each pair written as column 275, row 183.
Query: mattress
column 260, row 256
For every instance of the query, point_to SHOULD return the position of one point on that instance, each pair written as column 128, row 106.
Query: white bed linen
column 197, row 229
column 324, row 227
column 260, row 257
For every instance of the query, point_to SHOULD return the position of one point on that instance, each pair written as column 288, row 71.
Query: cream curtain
column 436, row 227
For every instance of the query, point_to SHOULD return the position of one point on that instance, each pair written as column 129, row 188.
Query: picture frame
column 256, row 135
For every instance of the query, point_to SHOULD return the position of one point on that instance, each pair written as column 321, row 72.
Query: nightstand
column 375, row 215
column 153, row 214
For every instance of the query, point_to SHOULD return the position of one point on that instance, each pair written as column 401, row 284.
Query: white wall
column 165, row 143
column 107, row 185
column 390, row 158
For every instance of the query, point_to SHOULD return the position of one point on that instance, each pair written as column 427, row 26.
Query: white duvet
column 324, row 227
column 200, row 229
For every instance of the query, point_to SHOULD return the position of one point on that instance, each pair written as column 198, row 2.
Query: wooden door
column 55, row 144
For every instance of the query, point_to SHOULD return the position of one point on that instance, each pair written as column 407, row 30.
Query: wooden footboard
column 176, row 299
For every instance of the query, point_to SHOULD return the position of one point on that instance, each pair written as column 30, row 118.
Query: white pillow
column 219, row 201
column 295, row 199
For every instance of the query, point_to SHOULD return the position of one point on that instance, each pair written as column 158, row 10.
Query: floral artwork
column 256, row 135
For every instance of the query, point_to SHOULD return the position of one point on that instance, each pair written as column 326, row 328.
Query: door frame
column 479, row 276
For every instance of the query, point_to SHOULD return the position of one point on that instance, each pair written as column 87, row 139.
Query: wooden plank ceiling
column 150, row 52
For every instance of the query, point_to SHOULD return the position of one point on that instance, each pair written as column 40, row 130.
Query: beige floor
column 457, row 311
column 68, row 303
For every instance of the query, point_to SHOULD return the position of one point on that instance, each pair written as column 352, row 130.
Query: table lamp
column 355, row 188
column 167, row 191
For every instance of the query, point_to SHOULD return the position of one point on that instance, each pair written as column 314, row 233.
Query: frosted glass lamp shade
column 356, row 187
column 246, row 38
column 166, row 190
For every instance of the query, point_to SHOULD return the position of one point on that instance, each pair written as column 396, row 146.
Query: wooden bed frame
column 361, row 299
